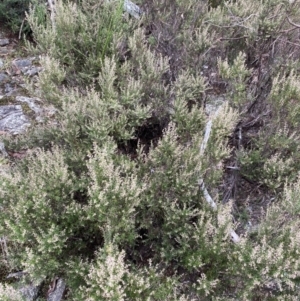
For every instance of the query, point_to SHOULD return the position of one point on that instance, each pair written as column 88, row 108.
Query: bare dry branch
column 292, row 23
column 234, row 237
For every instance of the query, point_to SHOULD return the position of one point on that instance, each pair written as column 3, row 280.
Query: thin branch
column 237, row 38
column 289, row 42
column 4, row 247
column 21, row 28
column 292, row 23
column 207, row 197
column 206, row 136
column 233, row 167
column 52, row 4
column 234, row 237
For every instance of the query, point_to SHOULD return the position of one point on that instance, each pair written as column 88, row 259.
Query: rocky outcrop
column 18, row 111
column 57, row 292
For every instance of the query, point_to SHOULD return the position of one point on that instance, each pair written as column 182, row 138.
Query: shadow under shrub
column 12, row 13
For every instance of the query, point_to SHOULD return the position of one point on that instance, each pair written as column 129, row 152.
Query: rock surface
column 3, row 78
column 13, row 120
column 4, row 42
column 31, row 103
column 58, row 291
column 30, row 292
column 18, row 111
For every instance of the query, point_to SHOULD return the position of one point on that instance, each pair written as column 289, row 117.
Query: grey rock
column 30, row 292
column 41, row 111
column 23, row 63
column 28, row 289
column 13, row 92
column 3, row 151
column 1, row 63
column 132, row 9
column 4, row 50
column 16, row 275
column 57, row 293
column 13, row 120
column 31, row 103
column 4, row 42
column 8, row 88
column 33, row 71
column 3, row 78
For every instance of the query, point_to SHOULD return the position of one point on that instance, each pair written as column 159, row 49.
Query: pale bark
column 51, row 4
column 234, row 237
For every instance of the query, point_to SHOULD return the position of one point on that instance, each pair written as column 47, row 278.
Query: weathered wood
column 51, row 4
column 234, row 237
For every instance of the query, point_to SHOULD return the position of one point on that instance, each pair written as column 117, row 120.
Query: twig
column 206, row 136
column 233, row 167
column 52, row 4
column 21, row 28
column 16, row 275
column 231, row 39
column 4, row 247
column 207, row 197
column 289, row 42
column 52, row 286
column 234, row 237
column 292, row 23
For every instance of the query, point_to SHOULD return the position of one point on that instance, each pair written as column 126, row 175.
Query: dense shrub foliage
column 113, row 194
column 12, row 13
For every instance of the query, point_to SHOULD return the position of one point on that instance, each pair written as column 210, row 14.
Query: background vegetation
column 12, row 14
column 110, row 196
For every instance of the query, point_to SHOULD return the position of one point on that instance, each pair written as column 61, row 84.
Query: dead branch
column 292, row 23
column 234, row 237
column 52, row 4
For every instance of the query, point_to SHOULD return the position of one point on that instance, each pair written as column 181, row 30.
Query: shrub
column 12, row 13
column 9, row 293
column 111, row 194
